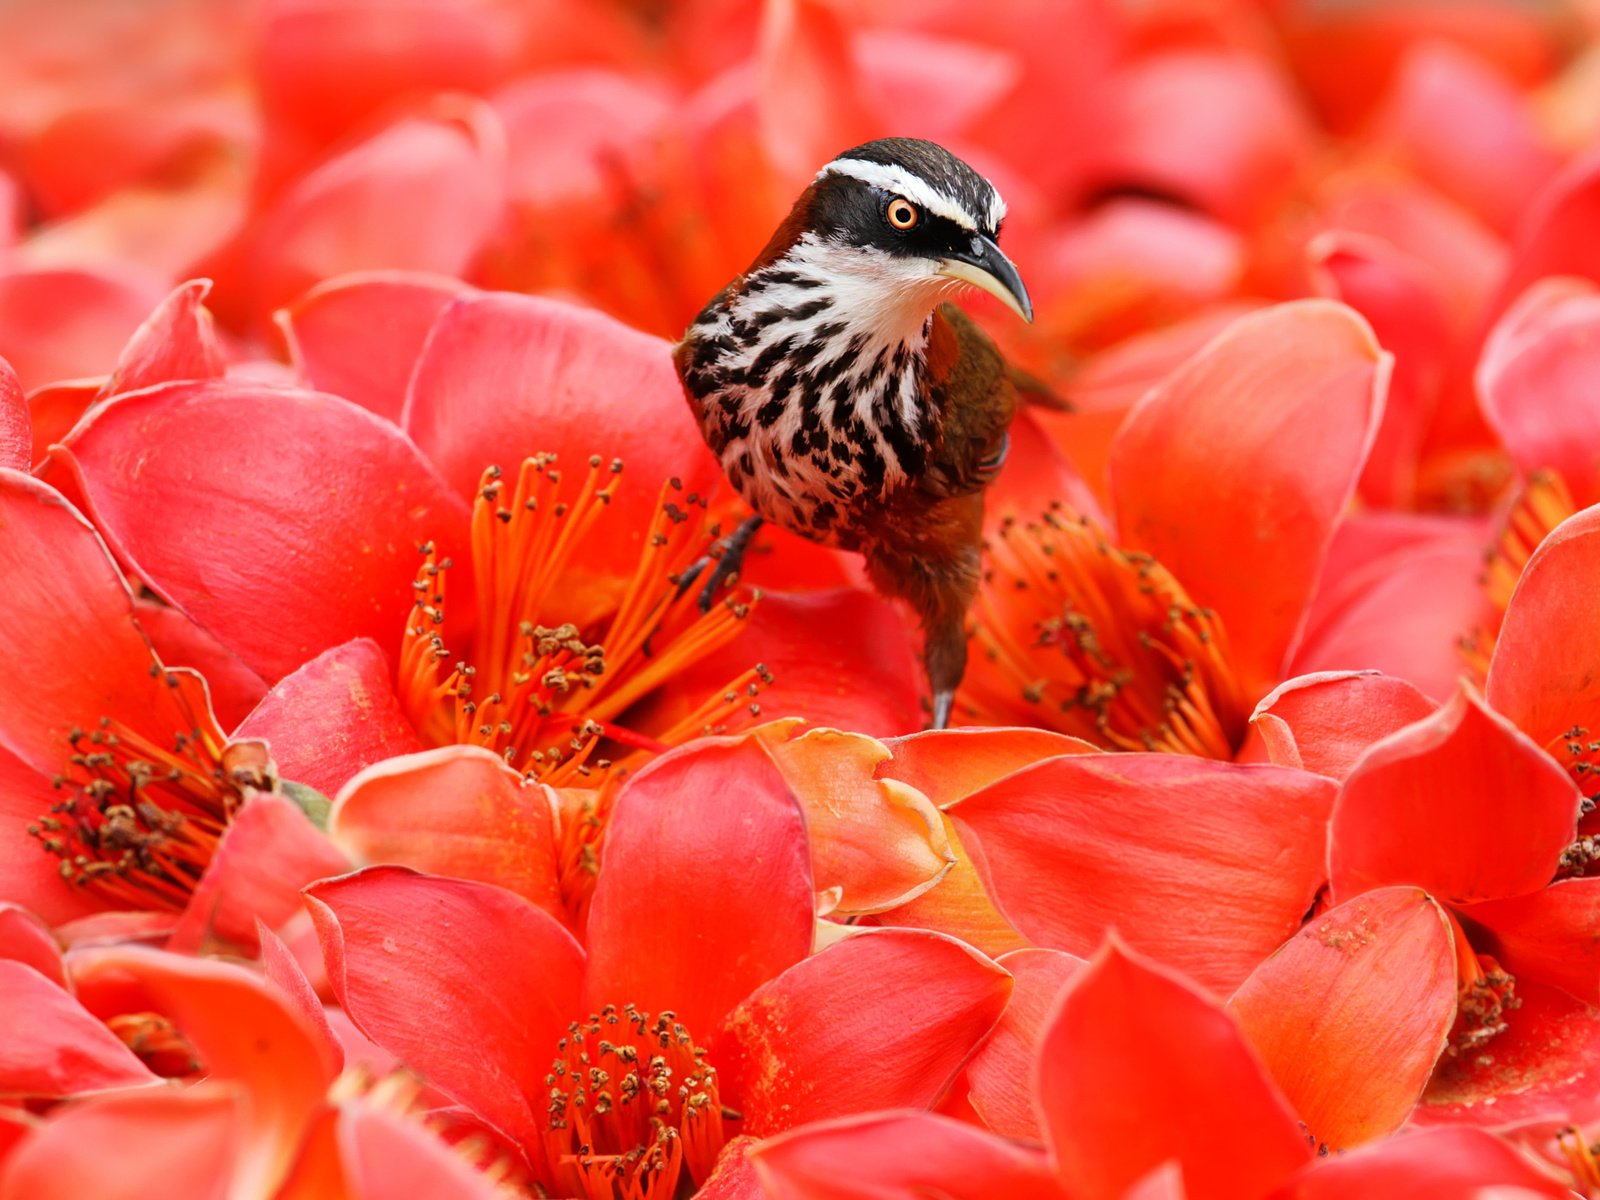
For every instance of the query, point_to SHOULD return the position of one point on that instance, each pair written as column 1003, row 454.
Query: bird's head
column 890, row 226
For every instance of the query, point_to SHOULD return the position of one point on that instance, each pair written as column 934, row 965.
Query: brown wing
column 970, row 386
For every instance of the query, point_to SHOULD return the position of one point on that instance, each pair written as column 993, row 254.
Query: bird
column 848, row 401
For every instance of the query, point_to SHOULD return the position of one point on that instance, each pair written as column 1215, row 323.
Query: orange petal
column 1460, row 803
column 875, row 843
column 960, row 904
column 883, row 1019
column 457, row 811
column 1068, row 854
column 1137, row 1067
column 1325, row 722
column 947, row 765
column 1541, row 676
column 1350, row 1014
column 1000, row 1075
column 1249, row 453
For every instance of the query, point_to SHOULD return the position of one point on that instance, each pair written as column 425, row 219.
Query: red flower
column 696, row 981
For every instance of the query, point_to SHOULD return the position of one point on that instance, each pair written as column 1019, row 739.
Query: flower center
column 1485, row 994
column 1101, row 643
column 634, row 1110
column 544, row 693
column 138, row 823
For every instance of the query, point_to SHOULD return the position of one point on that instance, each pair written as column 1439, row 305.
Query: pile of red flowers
column 378, row 820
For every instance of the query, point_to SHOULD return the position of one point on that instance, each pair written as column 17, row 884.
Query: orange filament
column 1544, row 503
column 1485, row 993
column 157, row 1042
column 634, row 1109
column 1582, row 1158
column 545, row 694
column 1103, row 644
column 139, row 823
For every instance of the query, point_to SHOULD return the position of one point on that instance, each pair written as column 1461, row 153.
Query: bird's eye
column 902, row 214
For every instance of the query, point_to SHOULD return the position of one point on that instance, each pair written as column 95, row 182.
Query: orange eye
column 902, row 213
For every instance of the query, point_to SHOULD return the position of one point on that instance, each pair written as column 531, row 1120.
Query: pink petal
column 457, row 811
column 1551, row 234
column 901, row 1156
column 1249, row 453
column 283, row 971
column 269, row 851
column 65, row 324
column 389, row 1157
column 1460, row 803
column 1533, row 382
column 1000, row 1074
column 177, row 341
column 1543, row 1067
column 16, row 429
column 1069, row 856
column 66, row 1051
column 1441, row 1164
column 503, row 377
column 152, row 1142
column 1547, row 935
column 1351, row 1013
column 947, row 765
column 359, row 336
column 1325, row 722
column 233, row 687
column 883, row 1019
column 1541, row 676
column 341, row 217
column 24, row 938
column 469, row 984
column 331, row 717
column 1137, row 1067
column 327, row 523
column 705, row 885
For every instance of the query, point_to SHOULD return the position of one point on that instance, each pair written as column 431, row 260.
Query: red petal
column 1324, row 723
column 807, row 105
column 233, row 687
column 284, row 972
column 1548, row 935
column 901, row 1156
column 1137, row 1067
column 29, row 876
column 55, row 409
column 341, row 217
column 469, row 984
column 875, row 843
column 388, row 1157
column 1545, row 1066
column 359, row 336
column 70, row 639
column 1000, row 1074
column 883, row 1019
column 65, row 1051
column 16, row 429
column 705, row 885
column 1239, row 859
column 503, row 377
column 841, row 658
column 151, row 1142
column 734, row 1177
column 1249, row 453
column 1533, row 381
column 457, row 811
column 327, row 521
column 1460, row 803
column 24, row 938
column 240, row 1028
column 333, row 716
column 269, row 851
column 177, row 341
column 1441, row 1164
column 66, row 324
column 1541, row 676
column 1351, row 1013
column 1551, row 234
column 947, row 765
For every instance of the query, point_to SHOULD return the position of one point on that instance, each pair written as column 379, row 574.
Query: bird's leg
column 724, row 562
column 940, row 587
column 944, row 653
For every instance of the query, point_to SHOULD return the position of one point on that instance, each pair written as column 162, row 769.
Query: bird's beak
column 983, row 265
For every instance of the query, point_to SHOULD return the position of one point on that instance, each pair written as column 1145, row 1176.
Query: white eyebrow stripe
column 904, row 183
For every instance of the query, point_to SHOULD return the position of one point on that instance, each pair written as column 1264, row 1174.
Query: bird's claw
column 724, row 565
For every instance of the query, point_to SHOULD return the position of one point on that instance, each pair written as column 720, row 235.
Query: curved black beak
column 984, row 265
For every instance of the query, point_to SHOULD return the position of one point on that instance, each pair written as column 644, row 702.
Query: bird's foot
column 943, row 702
column 724, row 561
